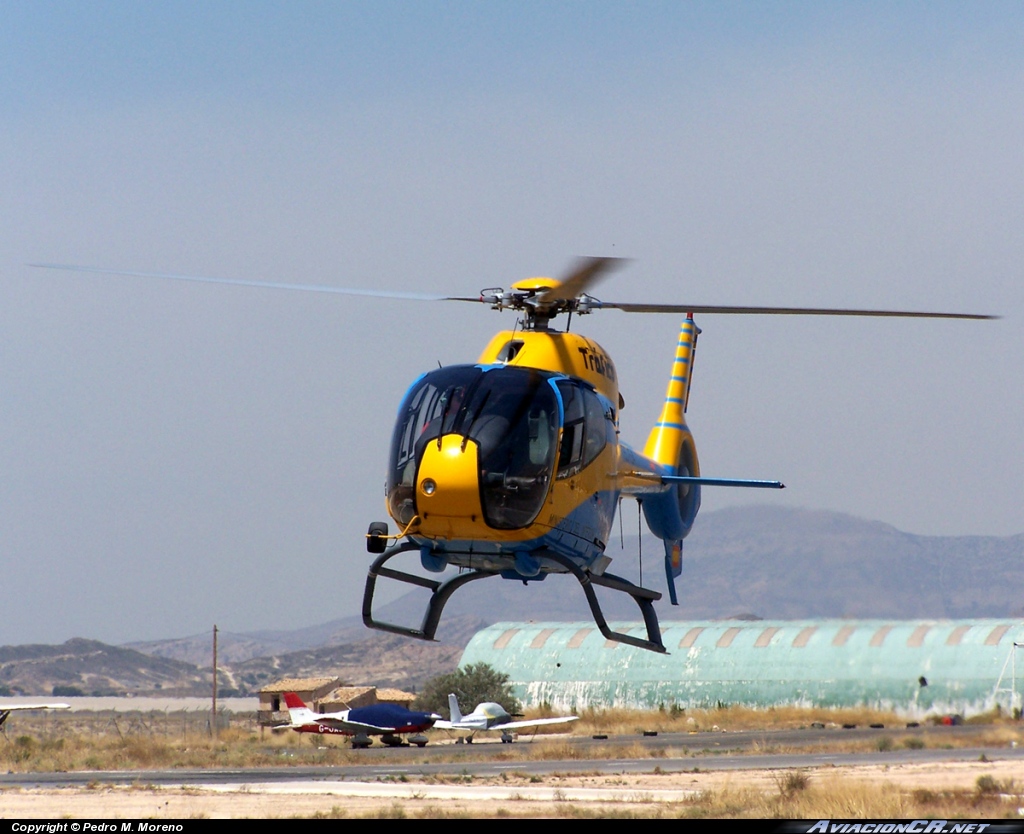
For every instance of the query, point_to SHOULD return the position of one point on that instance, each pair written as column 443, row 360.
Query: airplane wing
column 511, row 725
column 7, row 709
column 353, row 726
column 536, row 722
column 449, row 725
column 13, row 707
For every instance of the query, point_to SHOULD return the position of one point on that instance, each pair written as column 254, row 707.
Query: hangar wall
column 919, row 667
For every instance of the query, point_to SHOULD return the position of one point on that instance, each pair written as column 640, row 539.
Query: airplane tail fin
column 666, row 441
column 671, row 514
column 671, row 445
column 298, row 712
column 453, row 707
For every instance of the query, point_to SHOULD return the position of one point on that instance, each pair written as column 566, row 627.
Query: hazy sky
column 175, row 455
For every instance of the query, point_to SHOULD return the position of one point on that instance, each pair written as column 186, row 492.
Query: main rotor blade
column 587, row 273
column 273, row 285
column 778, row 311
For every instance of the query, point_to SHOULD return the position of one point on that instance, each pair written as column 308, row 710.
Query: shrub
column 473, row 684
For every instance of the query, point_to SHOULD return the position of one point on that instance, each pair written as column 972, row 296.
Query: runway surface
column 667, row 753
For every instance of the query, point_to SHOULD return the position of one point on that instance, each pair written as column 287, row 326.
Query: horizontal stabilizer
column 728, row 482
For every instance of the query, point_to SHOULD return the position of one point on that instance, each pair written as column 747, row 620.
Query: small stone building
column 272, row 710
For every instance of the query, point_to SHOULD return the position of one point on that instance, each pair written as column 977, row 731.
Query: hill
column 751, row 561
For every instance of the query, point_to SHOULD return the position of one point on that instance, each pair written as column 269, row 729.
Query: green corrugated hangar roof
column 917, row 667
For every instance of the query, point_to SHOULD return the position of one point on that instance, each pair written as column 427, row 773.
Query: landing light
column 428, row 486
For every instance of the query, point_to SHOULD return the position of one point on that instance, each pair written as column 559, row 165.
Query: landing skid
column 441, row 591
column 643, row 597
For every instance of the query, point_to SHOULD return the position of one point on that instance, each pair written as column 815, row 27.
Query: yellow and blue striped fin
column 666, row 438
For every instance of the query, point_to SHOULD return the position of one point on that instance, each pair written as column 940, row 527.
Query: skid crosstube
column 442, row 591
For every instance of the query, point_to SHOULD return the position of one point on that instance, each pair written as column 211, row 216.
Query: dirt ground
column 514, row 795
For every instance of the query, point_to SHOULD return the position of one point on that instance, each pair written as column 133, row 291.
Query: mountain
column 792, row 563
column 89, row 667
column 757, row 561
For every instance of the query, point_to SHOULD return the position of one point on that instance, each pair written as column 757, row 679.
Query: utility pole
column 213, row 722
column 1015, row 711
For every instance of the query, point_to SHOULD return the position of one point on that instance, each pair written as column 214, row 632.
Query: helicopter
column 513, row 466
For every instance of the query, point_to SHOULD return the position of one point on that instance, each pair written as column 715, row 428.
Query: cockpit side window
column 585, row 428
column 597, row 427
column 570, row 451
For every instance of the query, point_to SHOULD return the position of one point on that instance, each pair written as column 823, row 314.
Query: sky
column 177, row 455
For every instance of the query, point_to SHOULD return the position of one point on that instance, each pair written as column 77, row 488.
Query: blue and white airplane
column 492, row 716
column 389, row 721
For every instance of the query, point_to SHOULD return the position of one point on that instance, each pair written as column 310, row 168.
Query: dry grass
column 792, row 795
column 73, row 742
column 76, row 751
column 675, row 720
column 871, row 793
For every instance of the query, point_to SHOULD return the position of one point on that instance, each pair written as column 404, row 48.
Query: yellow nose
column 448, row 489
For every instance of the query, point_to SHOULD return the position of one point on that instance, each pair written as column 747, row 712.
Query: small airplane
column 7, row 709
column 492, row 716
column 512, row 466
column 388, row 721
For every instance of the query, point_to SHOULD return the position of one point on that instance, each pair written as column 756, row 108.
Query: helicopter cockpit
column 511, row 414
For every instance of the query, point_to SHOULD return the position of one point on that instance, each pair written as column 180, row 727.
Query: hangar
column 912, row 667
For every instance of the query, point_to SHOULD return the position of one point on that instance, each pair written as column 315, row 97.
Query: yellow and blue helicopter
column 513, row 466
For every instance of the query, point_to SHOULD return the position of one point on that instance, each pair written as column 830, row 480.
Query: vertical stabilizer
column 298, row 712
column 453, row 707
column 666, row 438
column 671, row 445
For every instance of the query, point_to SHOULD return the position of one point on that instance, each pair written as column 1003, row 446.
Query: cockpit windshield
column 511, row 414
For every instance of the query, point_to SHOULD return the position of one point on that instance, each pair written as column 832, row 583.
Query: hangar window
column 542, row 638
column 879, row 636
column 577, row 639
column 843, row 635
column 957, row 635
column 726, row 639
column 996, row 635
column 916, row 640
column 765, row 638
column 506, row 638
column 804, row 637
column 690, row 637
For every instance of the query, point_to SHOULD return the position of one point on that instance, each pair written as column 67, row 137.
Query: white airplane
column 388, row 721
column 491, row 716
column 7, row 709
